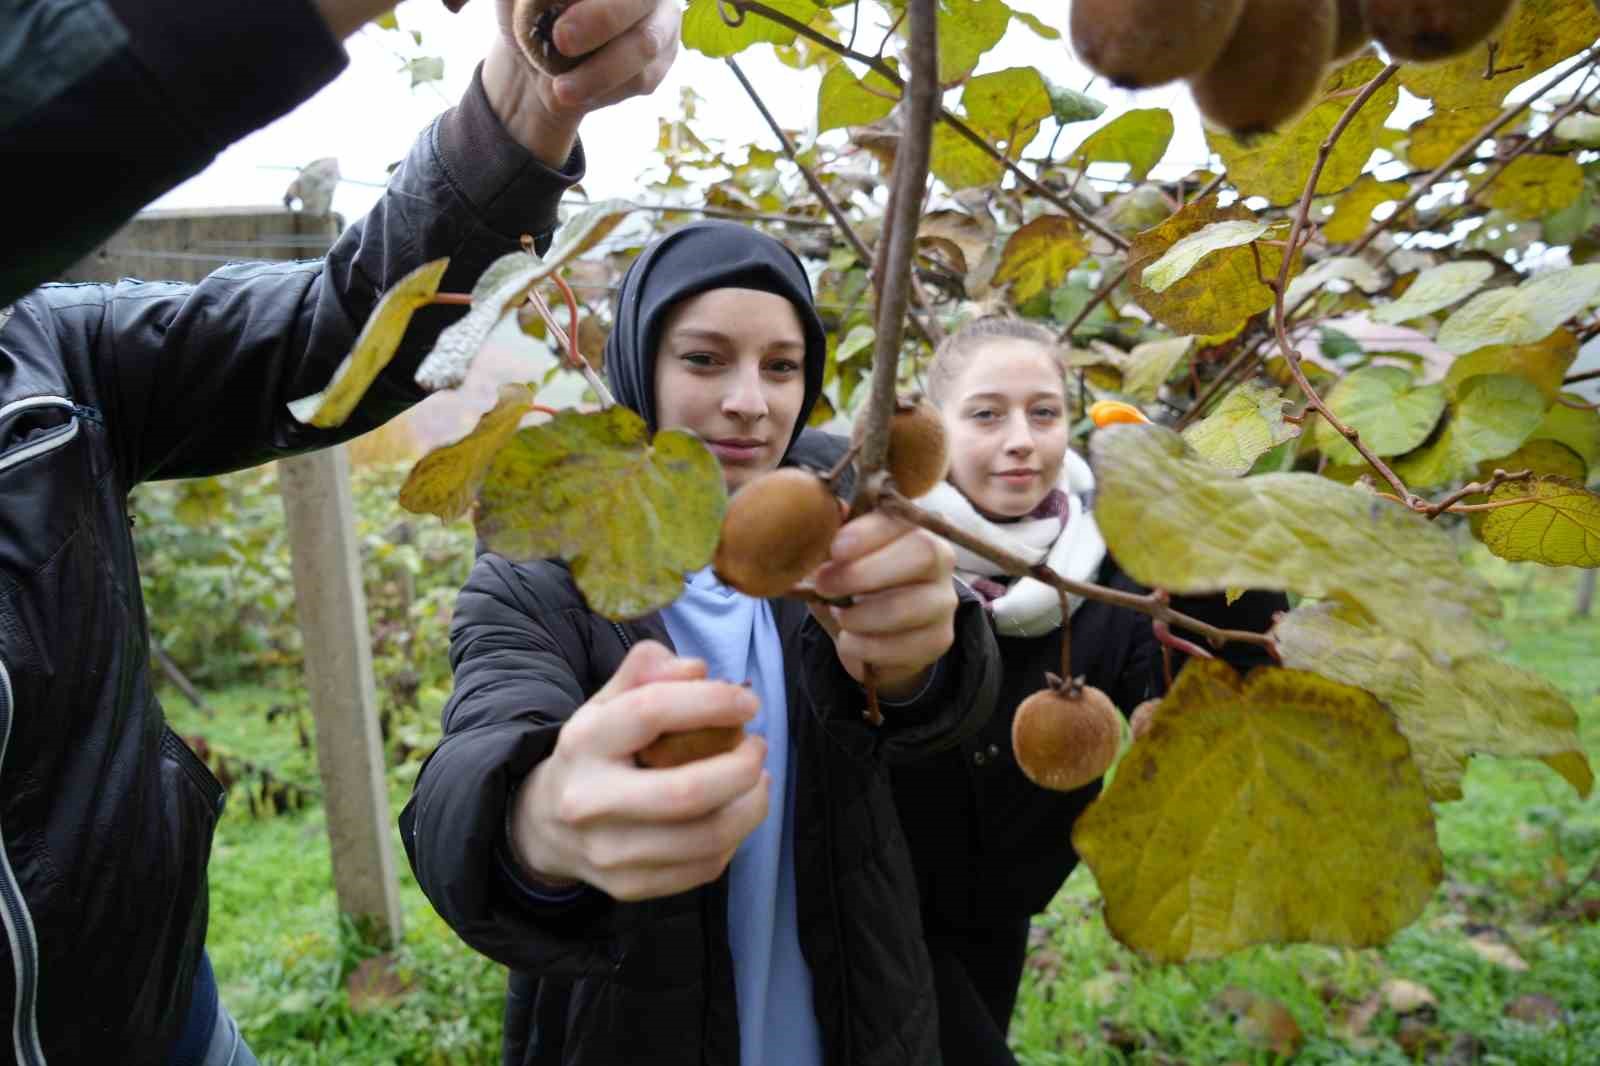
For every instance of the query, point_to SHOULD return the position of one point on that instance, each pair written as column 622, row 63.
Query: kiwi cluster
column 1253, row 64
column 1066, row 734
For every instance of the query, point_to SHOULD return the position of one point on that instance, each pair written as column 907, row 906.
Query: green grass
column 1514, row 845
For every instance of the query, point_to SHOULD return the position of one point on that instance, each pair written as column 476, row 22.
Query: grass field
column 1504, row 966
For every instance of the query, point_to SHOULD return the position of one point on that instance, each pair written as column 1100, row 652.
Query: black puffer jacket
column 602, row 983
column 105, row 816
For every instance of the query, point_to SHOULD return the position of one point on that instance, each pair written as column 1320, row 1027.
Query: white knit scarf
column 1069, row 544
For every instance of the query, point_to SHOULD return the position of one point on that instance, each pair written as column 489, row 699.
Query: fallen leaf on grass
column 1102, row 991
column 1492, row 950
column 1417, row 1037
column 1262, row 1021
column 375, row 983
column 1406, row 997
column 1536, row 1009
column 1351, row 1026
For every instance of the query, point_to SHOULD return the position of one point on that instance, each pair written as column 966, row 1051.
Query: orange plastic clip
column 1111, row 412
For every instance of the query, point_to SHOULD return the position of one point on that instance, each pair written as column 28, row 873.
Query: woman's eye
column 1046, row 414
column 699, row 359
column 782, row 366
column 982, row 414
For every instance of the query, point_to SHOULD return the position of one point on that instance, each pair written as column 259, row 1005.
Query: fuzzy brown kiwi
column 691, row 745
column 1066, row 735
column 532, row 27
column 1271, row 67
column 1432, row 29
column 1352, row 33
column 777, row 529
column 1139, row 43
column 1142, row 716
column 919, row 454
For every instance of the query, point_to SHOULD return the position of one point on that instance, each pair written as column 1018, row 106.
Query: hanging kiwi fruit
column 1271, row 67
column 1066, row 734
column 1138, row 43
column 777, row 529
column 919, row 455
column 1432, row 29
column 533, row 25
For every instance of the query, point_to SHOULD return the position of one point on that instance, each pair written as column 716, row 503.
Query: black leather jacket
column 105, row 816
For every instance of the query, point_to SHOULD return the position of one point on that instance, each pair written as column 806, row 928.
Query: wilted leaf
column 1277, row 165
column 845, row 100
column 445, row 480
column 704, row 31
column 1559, row 526
column 1577, row 429
column 1452, row 697
column 1539, row 34
column 1544, row 363
column 1038, row 256
column 631, row 514
column 1352, row 211
column 1353, row 269
column 1263, row 1022
column 1243, row 427
column 1383, row 404
column 1436, row 137
column 1533, row 186
column 1174, row 521
column 1150, row 364
column 1435, row 289
column 967, row 29
column 1524, row 314
column 1406, row 997
column 1199, row 845
column 374, row 348
column 1138, row 138
column 1069, row 105
column 1221, row 290
column 1186, row 254
column 446, row 366
column 1491, row 416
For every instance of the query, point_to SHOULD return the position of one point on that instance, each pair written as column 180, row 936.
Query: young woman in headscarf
column 991, row 848
column 757, row 907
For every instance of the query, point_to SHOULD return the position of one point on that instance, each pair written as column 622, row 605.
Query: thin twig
column 1500, row 477
column 1065, row 336
column 574, row 358
column 1583, row 375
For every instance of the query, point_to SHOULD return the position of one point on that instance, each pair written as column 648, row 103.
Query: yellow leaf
column 959, row 163
column 1221, row 291
column 1138, row 138
column 1545, row 363
column 1281, row 809
column 374, row 348
column 1559, row 525
column 967, row 29
column 1574, row 767
column 1352, row 211
column 1149, row 366
column 1243, row 427
column 1436, row 137
column 1533, row 186
column 1577, row 429
column 1007, row 106
column 632, row 514
column 201, row 502
column 845, row 100
column 444, row 481
column 1539, row 34
column 1038, row 256
column 1277, row 165
column 706, row 32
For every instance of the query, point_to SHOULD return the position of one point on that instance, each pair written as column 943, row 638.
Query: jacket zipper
column 19, row 923
column 56, row 438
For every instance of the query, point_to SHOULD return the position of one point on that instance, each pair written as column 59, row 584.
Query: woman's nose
column 744, row 398
column 1019, row 439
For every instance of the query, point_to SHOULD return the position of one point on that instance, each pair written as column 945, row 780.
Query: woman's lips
column 737, row 449
column 1017, row 477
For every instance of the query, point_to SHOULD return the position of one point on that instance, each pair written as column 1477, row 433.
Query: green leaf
column 444, row 481
column 859, row 339
column 1246, row 425
column 1274, row 810
column 1138, row 138
column 1038, row 256
column 1219, row 293
column 1435, row 138
column 1360, row 273
column 1435, row 289
column 1532, row 186
column 1186, row 254
column 1451, row 702
column 1150, row 364
column 1581, row 128
column 1278, row 165
column 1137, row 209
column 1043, row 29
column 1007, row 106
column 1392, row 414
column 1352, row 211
column 704, row 31
column 1558, row 526
column 845, row 100
column 1577, row 429
column 968, row 29
column 631, row 514
column 1524, row 314
column 1176, row 522
column 374, row 348
column 1545, row 363
column 958, row 162
column 1492, row 415
column 1069, row 105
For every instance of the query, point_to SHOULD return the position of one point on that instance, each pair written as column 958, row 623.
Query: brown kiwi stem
column 833, row 475
column 869, row 681
column 1066, row 634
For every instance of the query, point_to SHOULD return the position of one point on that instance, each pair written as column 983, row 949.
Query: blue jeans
column 227, row 1044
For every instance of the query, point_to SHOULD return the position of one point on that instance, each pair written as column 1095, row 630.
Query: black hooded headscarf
column 697, row 258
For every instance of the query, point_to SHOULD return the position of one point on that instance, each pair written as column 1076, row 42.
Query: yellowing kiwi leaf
column 1490, row 416
column 1150, row 364
column 1352, row 211
column 1039, row 255
column 1217, row 291
column 1524, row 314
column 1578, row 429
column 1138, row 138
column 1538, row 35
column 374, row 348
column 1353, row 269
column 1279, row 809
column 845, row 100
column 1391, row 412
column 1539, row 458
column 1174, row 521
column 1244, row 426
column 1533, row 186
column 1007, row 107
column 1186, row 254
column 1545, row 363
column 1451, row 703
column 1435, row 289
column 506, row 285
column 967, row 29
column 1277, row 165
column 958, row 162
column 630, row 513
column 1559, row 525
column 704, row 31
column 444, row 481
column 1435, row 138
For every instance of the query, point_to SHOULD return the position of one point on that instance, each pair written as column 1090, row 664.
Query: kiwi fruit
column 1352, row 33
column 691, row 745
column 777, row 529
column 1142, row 716
column 1139, row 43
column 919, row 455
column 1271, row 67
column 533, row 24
column 1066, row 735
column 1432, row 29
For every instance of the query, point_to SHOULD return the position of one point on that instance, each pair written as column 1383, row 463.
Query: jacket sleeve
column 110, row 103
column 519, row 664
column 195, row 379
